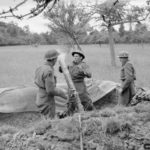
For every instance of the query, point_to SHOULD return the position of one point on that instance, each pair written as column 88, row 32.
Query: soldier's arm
column 86, row 70
column 129, row 76
column 50, row 83
column 60, row 69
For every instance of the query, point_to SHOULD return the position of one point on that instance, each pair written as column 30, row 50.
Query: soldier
column 78, row 71
column 46, row 83
column 127, row 77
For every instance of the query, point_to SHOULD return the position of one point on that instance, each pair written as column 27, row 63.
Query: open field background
column 18, row 63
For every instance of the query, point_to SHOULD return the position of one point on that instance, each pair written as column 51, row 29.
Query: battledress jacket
column 46, row 82
column 127, row 76
column 78, row 72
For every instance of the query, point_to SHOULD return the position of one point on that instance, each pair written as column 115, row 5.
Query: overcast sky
column 36, row 24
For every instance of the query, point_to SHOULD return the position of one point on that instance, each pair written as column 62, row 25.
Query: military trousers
column 84, row 97
column 46, row 102
column 126, row 95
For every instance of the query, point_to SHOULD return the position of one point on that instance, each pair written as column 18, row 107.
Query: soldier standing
column 127, row 76
column 46, row 83
column 78, row 71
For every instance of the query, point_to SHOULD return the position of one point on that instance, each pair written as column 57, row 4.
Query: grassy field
column 18, row 63
column 110, row 128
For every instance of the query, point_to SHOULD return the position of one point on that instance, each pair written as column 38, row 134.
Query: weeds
column 8, row 129
column 108, row 112
column 112, row 126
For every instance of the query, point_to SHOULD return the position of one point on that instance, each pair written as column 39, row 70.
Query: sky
column 37, row 24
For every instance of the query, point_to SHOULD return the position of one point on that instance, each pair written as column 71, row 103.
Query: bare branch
column 14, row 8
column 39, row 8
column 117, row 1
column 133, row 20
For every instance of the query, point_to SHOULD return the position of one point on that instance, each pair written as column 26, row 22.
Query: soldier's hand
column 120, row 90
column 71, row 93
column 80, row 71
column 60, row 69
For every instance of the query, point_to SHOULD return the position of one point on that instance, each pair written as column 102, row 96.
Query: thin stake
column 81, row 138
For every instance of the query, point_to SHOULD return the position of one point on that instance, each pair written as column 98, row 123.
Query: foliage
column 116, row 12
column 112, row 126
column 98, row 132
column 11, row 34
column 69, row 22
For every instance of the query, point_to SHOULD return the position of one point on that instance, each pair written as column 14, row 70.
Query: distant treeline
column 12, row 34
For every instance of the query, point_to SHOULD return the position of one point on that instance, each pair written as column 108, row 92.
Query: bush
column 112, row 126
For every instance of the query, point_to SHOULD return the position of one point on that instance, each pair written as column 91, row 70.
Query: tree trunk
column 130, row 26
column 130, row 32
column 76, row 42
column 111, row 44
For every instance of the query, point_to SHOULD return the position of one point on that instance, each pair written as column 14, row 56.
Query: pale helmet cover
column 123, row 54
column 51, row 54
column 81, row 53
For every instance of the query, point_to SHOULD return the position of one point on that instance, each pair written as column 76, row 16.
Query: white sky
column 36, row 24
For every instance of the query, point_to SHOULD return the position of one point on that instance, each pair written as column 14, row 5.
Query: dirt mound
column 116, row 128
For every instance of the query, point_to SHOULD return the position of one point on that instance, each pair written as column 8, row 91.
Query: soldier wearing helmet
column 79, row 70
column 46, row 83
column 127, row 76
column 51, row 54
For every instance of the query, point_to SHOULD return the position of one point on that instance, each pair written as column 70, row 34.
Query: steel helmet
column 78, row 52
column 123, row 54
column 51, row 54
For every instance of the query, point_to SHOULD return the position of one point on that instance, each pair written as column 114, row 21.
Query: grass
column 107, row 132
column 18, row 63
column 109, row 128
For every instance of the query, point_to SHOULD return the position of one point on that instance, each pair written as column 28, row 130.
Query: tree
column 115, row 12
column 49, row 37
column 95, row 37
column 68, row 21
column 12, row 34
column 121, row 30
column 140, row 30
column 13, row 30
